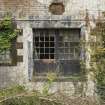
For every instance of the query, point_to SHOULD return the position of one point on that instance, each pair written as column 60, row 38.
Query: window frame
column 57, row 41
column 37, row 72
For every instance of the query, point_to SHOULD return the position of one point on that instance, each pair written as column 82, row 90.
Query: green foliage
column 18, row 95
column 98, row 57
column 8, row 32
column 34, row 98
column 22, row 101
column 51, row 77
column 29, row 100
column 9, row 92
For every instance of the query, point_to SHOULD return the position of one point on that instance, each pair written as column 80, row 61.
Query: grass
column 17, row 95
column 11, row 91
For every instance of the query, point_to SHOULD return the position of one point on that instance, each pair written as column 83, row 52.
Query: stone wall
column 31, row 14
column 26, row 9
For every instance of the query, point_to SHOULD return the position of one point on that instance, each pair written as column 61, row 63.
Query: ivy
column 8, row 32
column 98, row 57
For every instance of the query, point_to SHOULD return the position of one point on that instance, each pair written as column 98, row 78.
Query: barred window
column 48, row 45
column 56, row 50
column 44, row 45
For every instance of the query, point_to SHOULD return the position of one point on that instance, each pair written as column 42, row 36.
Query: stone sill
column 77, row 78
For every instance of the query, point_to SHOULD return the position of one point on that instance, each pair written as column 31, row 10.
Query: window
column 44, row 47
column 55, row 49
column 68, row 45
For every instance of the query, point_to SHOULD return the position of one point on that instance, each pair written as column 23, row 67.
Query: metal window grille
column 56, row 50
column 44, row 45
column 49, row 44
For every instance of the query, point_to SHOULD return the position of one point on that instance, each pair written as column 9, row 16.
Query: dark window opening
column 56, row 44
column 56, row 50
column 45, row 46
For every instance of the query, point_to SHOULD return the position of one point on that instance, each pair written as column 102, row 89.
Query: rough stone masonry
column 31, row 14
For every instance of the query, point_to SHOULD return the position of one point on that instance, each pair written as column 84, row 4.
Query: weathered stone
column 57, row 8
column 31, row 14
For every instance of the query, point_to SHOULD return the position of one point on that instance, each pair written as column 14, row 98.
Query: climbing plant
column 98, row 57
column 8, row 32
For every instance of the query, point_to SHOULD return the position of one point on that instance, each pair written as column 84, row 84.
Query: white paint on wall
column 44, row 1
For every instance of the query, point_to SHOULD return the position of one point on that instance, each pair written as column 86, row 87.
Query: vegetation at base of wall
column 59, row 100
column 50, row 79
column 8, row 32
column 30, row 101
column 11, row 91
column 18, row 95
